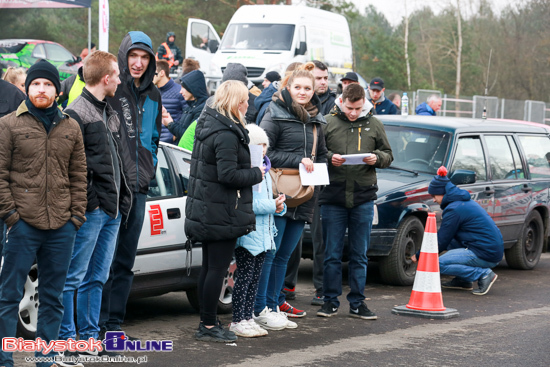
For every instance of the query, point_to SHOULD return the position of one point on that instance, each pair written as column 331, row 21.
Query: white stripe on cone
column 429, row 243
column 427, row 282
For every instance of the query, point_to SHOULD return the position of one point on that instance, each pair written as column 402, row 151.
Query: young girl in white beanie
column 251, row 249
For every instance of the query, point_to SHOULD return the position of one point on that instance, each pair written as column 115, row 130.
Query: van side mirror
column 213, row 46
column 302, row 49
column 463, row 177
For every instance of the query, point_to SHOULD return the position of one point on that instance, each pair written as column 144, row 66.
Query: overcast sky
column 394, row 10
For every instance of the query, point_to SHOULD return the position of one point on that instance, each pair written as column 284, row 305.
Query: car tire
column 28, row 307
column 225, row 303
column 397, row 268
column 525, row 254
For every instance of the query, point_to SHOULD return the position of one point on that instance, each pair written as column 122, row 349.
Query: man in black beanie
column 471, row 238
column 236, row 71
column 271, row 77
column 42, row 201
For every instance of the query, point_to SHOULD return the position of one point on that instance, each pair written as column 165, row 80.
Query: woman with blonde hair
column 16, row 76
column 219, row 202
column 290, row 123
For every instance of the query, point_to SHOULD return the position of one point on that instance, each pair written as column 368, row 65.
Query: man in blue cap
column 473, row 240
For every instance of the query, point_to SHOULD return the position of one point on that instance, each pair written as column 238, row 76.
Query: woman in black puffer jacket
column 289, row 123
column 219, row 202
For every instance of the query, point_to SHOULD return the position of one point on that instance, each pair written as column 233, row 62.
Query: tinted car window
column 417, row 149
column 161, row 185
column 469, row 156
column 500, row 158
column 57, row 53
column 39, row 52
column 537, row 153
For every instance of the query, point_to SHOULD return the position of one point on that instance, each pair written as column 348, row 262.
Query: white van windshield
column 258, row 37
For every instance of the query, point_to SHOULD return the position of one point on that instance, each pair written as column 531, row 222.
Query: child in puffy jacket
column 251, row 249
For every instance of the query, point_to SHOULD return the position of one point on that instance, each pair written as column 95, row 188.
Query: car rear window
column 537, row 153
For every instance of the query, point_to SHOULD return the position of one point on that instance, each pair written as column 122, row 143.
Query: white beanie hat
column 257, row 135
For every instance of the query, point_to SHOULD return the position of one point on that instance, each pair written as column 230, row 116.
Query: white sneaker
column 269, row 320
column 259, row 330
column 242, row 328
column 284, row 318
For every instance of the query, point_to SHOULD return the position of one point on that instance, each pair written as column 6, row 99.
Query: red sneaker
column 291, row 311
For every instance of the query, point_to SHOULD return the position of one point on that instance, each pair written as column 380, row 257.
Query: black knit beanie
column 43, row 69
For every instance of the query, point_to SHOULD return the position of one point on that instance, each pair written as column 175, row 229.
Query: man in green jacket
column 348, row 202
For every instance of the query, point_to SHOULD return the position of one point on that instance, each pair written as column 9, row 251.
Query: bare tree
column 407, row 47
column 459, row 48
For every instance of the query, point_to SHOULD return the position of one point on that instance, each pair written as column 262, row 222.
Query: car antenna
column 484, row 116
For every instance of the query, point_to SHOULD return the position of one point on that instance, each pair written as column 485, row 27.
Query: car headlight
column 214, row 70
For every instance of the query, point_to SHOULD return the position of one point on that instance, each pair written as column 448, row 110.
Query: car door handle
column 526, row 188
column 489, row 191
column 173, row 213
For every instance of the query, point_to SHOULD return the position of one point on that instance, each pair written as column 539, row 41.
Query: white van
column 268, row 38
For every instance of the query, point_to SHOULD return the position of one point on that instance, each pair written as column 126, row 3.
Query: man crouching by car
column 42, row 201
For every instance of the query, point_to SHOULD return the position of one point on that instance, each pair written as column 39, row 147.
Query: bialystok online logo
column 115, row 341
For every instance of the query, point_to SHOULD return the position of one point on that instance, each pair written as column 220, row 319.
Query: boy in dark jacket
column 473, row 240
column 138, row 104
column 382, row 105
column 172, row 98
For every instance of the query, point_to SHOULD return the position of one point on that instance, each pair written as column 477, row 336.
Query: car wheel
column 28, row 307
column 398, row 268
column 525, row 254
column 225, row 303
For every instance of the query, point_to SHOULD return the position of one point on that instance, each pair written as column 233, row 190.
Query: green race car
column 25, row 52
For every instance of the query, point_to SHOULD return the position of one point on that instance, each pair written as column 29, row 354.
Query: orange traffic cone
column 426, row 299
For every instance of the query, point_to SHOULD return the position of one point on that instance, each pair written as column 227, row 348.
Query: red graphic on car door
column 155, row 217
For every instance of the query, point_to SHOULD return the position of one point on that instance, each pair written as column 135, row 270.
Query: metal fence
column 473, row 106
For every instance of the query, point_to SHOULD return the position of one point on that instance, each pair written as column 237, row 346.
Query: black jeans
column 117, row 288
column 216, row 257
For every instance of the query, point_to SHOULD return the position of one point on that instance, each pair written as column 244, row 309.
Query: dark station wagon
column 502, row 163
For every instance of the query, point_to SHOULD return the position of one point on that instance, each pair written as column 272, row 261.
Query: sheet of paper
column 355, row 158
column 318, row 177
column 257, row 160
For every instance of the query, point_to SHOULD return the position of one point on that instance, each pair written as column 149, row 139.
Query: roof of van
column 282, row 14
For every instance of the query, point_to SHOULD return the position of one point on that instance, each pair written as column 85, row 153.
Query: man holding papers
column 347, row 203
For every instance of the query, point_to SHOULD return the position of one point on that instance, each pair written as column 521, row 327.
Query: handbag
column 287, row 181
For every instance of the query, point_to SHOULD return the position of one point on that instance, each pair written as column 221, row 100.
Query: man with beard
column 42, row 201
column 138, row 104
column 108, row 198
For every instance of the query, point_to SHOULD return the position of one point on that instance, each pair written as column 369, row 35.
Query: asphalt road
column 507, row 327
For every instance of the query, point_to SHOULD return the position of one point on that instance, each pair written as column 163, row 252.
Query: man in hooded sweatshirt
column 473, row 240
column 138, row 104
column 195, row 94
column 170, row 52
column 42, row 201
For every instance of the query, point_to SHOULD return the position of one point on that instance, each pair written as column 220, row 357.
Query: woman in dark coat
column 289, row 123
column 219, row 202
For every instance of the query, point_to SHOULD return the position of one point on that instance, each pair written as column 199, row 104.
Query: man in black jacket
column 138, row 104
column 10, row 97
column 108, row 197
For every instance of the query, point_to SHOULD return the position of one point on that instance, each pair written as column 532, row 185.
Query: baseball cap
column 350, row 75
column 376, row 84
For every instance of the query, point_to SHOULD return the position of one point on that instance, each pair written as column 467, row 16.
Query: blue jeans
column 117, row 288
column 464, row 264
column 52, row 250
column 358, row 221
column 274, row 270
column 92, row 257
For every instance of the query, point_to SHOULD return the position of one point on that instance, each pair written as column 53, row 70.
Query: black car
column 502, row 163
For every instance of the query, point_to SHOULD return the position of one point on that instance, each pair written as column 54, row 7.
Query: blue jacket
column 424, row 110
column 264, row 207
column 262, row 101
column 468, row 223
column 140, row 113
column 174, row 103
column 194, row 83
column 384, row 106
